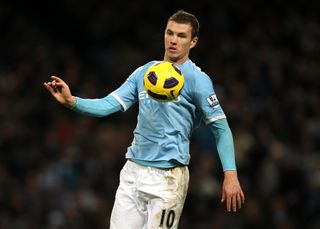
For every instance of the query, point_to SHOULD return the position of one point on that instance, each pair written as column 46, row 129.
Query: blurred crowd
column 60, row 169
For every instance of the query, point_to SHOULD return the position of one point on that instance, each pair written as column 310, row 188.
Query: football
column 163, row 81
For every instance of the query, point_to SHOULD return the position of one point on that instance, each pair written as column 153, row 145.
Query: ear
column 194, row 42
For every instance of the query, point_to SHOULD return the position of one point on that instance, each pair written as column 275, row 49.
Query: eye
column 169, row 32
column 182, row 35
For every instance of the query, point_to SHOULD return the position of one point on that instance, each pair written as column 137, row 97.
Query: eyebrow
column 179, row 33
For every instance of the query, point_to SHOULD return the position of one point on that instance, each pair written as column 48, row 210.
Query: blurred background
column 59, row 169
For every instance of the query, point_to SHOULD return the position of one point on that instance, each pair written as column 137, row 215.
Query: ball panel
column 157, row 96
column 170, row 82
column 152, row 77
column 172, row 94
column 177, row 69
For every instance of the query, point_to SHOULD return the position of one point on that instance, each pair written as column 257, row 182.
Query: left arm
column 207, row 102
column 231, row 189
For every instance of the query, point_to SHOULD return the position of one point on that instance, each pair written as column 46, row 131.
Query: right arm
column 121, row 99
column 92, row 107
column 97, row 107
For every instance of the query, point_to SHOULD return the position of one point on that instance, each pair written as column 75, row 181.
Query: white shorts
column 149, row 198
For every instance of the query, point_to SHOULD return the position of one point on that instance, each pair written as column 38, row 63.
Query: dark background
column 59, row 169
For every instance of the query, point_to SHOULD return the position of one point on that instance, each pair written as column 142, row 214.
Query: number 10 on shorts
column 167, row 218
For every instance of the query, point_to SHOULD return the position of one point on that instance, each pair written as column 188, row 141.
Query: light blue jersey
column 164, row 128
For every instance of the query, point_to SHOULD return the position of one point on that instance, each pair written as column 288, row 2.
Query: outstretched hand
column 232, row 193
column 60, row 91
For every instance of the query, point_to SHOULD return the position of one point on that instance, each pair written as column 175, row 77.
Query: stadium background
column 59, row 169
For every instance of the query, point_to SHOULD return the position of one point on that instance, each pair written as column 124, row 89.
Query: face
column 178, row 42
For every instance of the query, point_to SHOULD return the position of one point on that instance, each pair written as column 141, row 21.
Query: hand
column 232, row 192
column 60, row 91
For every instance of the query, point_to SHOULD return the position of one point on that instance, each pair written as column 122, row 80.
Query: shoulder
column 194, row 73
column 190, row 68
column 141, row 69
column 144, row 67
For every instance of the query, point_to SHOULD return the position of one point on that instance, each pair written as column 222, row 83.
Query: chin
column 173, row 58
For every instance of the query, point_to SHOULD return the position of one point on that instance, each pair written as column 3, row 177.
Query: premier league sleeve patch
column 213, row 101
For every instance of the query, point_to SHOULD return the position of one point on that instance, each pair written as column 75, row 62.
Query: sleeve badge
column 213, row 101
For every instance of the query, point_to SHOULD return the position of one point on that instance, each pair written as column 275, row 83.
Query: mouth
column 172, row 50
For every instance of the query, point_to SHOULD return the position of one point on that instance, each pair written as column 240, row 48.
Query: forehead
column 179, row 27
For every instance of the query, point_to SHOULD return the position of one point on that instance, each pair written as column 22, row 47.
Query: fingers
column 49, row 87
column 228, row 203
column 233, row 201
column 56, row 82
column 55, row 85
column 242, row 196
column 60, row 91
column 239, row 200
column 223, row 198
column 57, row 79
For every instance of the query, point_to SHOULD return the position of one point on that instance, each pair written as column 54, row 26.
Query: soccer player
column 154, row 180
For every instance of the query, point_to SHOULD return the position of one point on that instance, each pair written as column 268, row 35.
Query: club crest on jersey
column 213, row 101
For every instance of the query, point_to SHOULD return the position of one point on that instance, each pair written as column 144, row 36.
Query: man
column 154, row 180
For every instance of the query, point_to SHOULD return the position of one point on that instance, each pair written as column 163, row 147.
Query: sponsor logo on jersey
column 213, row 101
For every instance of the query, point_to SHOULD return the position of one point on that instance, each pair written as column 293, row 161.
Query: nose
column 173, row 39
